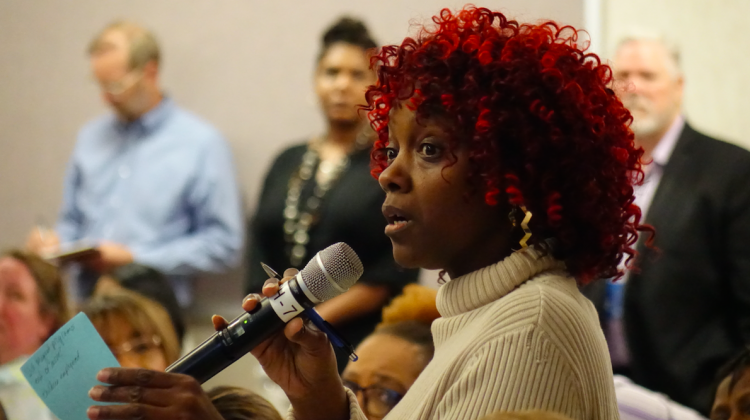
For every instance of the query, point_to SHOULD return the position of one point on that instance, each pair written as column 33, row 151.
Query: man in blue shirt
column 150, row 183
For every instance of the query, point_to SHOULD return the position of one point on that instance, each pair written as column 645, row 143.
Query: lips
column 398, row 220
column 341, row 104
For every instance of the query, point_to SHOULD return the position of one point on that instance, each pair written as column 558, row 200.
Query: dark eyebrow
column 389, row 382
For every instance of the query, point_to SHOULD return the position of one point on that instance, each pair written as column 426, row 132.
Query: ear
column 151, row 70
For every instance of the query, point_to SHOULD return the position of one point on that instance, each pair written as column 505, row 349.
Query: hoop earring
column 514, row 217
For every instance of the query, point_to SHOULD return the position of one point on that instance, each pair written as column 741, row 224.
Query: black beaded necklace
column 300, row 217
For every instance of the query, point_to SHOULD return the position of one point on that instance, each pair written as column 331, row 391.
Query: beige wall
column 245, row 65
column 714, row 42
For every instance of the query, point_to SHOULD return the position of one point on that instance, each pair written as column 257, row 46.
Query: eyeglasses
column 119, row 87
column 137, row 346
column 378, row 401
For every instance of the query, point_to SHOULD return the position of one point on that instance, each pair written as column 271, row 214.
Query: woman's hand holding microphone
column 299, row 359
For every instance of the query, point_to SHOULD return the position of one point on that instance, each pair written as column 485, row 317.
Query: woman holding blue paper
column 33, row 305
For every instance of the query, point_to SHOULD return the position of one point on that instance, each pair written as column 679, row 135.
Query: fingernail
column 104, row 375
column 301, row 330
column 93, row 412
column 95, row 393
column 311, row 325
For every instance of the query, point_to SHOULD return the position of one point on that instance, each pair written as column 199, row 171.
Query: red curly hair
column 543, row 128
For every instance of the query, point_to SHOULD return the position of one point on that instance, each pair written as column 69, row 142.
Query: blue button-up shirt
column 163, row 185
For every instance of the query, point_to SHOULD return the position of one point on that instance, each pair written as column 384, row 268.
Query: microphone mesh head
column 343, row 267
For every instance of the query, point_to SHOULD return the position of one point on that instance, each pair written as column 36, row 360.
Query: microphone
column 329, row 273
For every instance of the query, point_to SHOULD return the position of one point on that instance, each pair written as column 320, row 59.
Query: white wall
column 714, row 42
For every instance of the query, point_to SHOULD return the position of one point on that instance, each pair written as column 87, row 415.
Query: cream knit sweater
column 515, row 335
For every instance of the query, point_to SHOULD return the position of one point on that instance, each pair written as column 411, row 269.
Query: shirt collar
column 488, row 284
column 10, row 373
column 151, row 120
column 664, row 149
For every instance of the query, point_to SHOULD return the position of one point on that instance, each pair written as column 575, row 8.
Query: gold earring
column 514, row 216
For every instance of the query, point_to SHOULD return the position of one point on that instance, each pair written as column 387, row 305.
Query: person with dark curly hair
column 319, row 193
column 508, row 163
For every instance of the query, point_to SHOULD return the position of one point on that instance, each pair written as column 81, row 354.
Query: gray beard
column 647, row 126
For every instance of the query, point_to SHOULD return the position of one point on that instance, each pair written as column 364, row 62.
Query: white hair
column 671, row 48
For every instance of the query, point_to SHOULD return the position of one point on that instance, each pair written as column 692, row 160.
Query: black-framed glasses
column 378, row 401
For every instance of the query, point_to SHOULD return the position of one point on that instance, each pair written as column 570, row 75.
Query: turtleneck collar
column 490, row 283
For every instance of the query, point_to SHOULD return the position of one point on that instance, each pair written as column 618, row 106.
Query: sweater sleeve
column 521, row 370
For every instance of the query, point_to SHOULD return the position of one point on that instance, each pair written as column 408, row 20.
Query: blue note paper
column 64, row 369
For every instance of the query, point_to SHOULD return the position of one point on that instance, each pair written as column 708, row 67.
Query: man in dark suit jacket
column 687, row 311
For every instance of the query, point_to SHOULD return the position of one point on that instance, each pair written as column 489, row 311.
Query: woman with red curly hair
column 508, row 163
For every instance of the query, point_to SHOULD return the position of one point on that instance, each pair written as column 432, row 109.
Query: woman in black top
column 321, row 192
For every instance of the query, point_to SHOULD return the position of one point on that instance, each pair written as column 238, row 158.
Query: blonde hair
column 143, row 314
column 409, row 317
column 53, row 300
column 415, row 303
column 142, row 45
column 235, row 403
column 526, row 415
